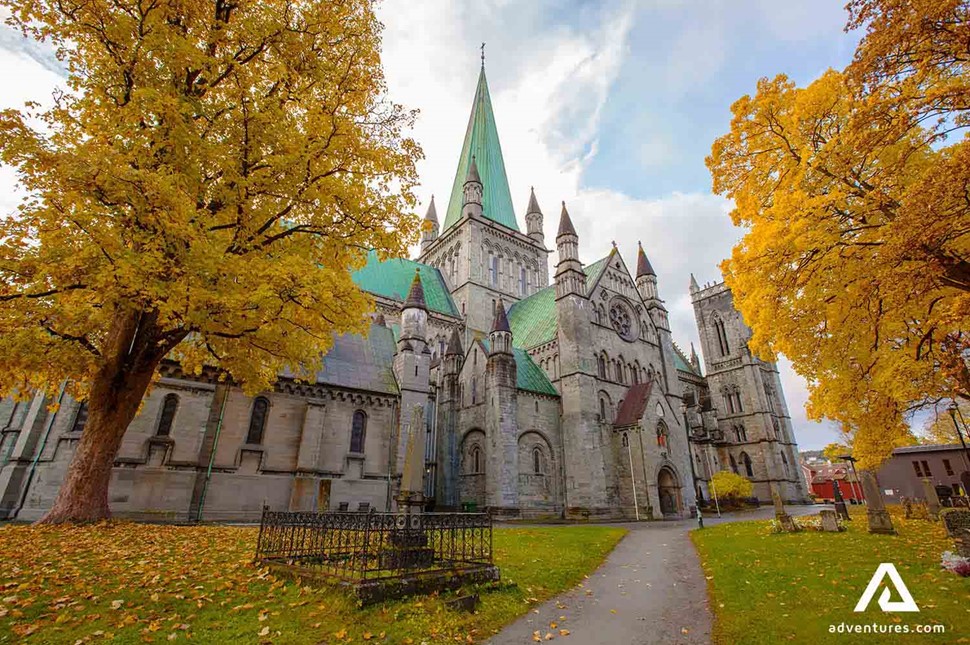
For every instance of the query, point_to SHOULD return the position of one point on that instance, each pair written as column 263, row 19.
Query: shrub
column 731, row 487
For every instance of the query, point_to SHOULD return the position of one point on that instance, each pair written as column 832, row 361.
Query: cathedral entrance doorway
column 668, row 489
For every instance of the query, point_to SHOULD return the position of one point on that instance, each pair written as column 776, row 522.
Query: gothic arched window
column 746, row 462
column 625, row 440
column 257, row 420
column 721, row 333
column 358, row 432
column 734, row 465
column 537, row 461
column 662, row 435
column 476, row 459
column 169, row 407
column 601, row 364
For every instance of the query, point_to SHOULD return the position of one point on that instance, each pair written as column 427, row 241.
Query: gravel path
column 650, row 589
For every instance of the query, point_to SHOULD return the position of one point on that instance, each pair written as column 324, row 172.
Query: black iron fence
column 360, row 547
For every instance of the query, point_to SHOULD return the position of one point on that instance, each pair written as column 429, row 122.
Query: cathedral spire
column 500, row 338
column 533, row 220
column 643, row 264
column 693, row 284
column 482, row 143
column 454, row 343
column 430, row 226
column 415, row 299
column 565, row 224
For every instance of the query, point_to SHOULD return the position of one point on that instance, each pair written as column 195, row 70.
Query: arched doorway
column 669, row 492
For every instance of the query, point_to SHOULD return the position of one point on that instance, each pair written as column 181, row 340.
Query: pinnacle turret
column 643, row 263
column 565, row 224
column 415, row 299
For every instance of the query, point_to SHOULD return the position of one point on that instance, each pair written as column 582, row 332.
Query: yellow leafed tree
column 856, row 261
column 202, row 192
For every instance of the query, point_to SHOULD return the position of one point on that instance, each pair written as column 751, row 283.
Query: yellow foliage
column 731, row 485
column 213, row 175
column 856, row 263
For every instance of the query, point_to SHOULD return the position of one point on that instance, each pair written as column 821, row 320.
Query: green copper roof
column 528, row 375
column 481, row 140
column 533, row 319
column 392, row 279
column 681, row 362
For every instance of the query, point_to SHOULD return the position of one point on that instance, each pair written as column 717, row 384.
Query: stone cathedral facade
column 545, row 391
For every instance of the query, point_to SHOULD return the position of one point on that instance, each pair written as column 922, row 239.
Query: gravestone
column 879, row 520
column 907, row 508
column 932, row 499
column 784, row 519
column 840, row 508
column 957, row 523
column 830, row 521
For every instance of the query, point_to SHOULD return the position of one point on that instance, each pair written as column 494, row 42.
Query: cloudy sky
column 610, row 105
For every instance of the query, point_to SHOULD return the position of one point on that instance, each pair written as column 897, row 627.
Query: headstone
column 784, row 519
column 932, row 499
column 840, row 508
column 830, row 521
column 957, row 523
column 879, row 520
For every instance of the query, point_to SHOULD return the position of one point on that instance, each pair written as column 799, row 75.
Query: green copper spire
column 481, row 140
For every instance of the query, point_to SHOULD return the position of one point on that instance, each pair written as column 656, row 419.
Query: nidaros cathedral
column 546, row 392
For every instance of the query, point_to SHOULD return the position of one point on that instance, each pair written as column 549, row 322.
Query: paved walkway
column 651, row 589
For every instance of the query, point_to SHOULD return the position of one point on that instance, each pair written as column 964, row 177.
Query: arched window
column 537, row 461
column 492, row 269
column 358, row 432
column 746, row 462
column 734, row 465
column 476, row 459
column 601, row 362
column 619, row 371
column 602, row 409
column 523, row 282
column 662, row 435
column 719, row 331
column 169, row 406
column 741, row 433
column 625, row 440
column 257, row 420
column 80, row 418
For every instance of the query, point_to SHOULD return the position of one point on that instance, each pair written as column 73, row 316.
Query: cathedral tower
column 412, row 362
column 751, row 411
column 501, row 427
column 449, row 405
column 583, row 440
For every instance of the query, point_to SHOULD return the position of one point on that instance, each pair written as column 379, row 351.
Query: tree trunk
column 131, row 355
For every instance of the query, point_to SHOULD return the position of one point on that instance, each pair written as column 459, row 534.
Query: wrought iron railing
column 358, row 547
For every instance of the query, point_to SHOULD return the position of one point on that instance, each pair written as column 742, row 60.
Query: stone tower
column 412, row 362
column 646, row 282
column 448, row 437
column 583, row 444
column 480, row 249
column 501, row 427
column 751, row 411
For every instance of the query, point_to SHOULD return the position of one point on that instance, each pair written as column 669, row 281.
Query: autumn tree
column 853, row 190
column 202, row 191
column 938, row 427
column 835, row 451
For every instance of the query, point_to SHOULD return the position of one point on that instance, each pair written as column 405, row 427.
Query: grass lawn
column 775, row 588
column 134, row 583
